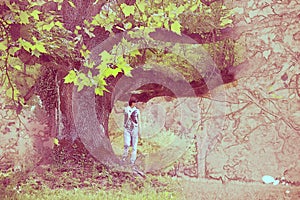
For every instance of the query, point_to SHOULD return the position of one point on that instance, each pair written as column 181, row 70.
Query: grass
column 106, row 185
column 235, row 190
column 167, row 188
column 93, row 193
column 73, row 179
column 126, row 192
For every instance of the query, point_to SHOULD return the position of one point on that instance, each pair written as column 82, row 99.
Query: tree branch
column 209, row 2
column 204, row 38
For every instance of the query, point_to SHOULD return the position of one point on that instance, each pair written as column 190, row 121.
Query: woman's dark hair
column 132, row 100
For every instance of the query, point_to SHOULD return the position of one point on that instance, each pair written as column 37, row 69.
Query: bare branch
column 277, row 115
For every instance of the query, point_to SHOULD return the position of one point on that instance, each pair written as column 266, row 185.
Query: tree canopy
column 32, row 31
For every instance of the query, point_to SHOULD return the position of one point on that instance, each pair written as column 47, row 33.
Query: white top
column 128, row 122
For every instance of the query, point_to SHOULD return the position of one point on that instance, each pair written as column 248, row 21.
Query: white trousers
column 130, row 137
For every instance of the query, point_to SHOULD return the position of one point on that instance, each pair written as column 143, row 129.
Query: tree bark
column 68, row 130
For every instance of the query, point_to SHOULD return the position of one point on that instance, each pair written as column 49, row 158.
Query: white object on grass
column 276, row 182
column 268, row 179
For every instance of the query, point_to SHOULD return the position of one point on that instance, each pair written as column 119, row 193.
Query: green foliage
column 55, row 141
column 140, row 22
column 175, row 27
column 72, row 4
column 35, row 14
column 3, row 46
column 27, row 37
column 70, row 78
column 127, row 10
column 23, row 27
column 45, row 33
column 224, row 53
column 208, row 18
column 24, row 17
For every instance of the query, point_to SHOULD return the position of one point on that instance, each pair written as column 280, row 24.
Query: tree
column 92, row 44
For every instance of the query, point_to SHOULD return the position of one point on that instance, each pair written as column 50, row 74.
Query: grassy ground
column 99, row 188
column 234, row 190
column 92, row 193
column 83, row 179
column 80, row 177
column 153, row 187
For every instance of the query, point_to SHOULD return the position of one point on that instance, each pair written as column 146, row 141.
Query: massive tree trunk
column 79, row 116
column 93, row 132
